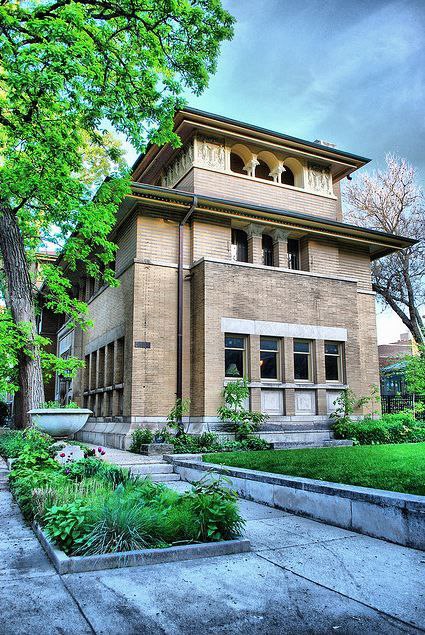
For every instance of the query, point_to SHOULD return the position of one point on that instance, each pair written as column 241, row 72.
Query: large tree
column 390, row 200
column 68, row 71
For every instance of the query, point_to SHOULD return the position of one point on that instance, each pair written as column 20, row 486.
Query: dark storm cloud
column 351, row 72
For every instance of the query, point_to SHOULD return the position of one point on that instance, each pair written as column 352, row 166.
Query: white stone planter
column 59, row 422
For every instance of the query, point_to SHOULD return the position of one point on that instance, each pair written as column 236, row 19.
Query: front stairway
column 153, row 466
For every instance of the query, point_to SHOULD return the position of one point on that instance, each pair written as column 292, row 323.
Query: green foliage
column 88, row 467
column 415, row 372
column 68, row 70
column 3, row 412
column 13, row 443
column 244, row 422
column 215, row 510
column 347, row 403
column 140, row 437
column 210, row 442
column 66, row 524
column 56, row 404
column 176, row 414
column 391, row 428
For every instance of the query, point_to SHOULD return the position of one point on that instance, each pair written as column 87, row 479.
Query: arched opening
column 262, row 171
column 287, row 177
column 236, row 163
column 267, row 245
column 239, row 245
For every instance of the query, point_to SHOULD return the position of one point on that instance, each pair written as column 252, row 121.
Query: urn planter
column 59, row 422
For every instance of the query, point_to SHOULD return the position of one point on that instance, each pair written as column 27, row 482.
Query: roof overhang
column 190, row 120
column 150, row 196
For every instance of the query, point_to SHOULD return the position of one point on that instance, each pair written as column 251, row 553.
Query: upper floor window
column 236, row 163
column 293, row 254
column 287, row 177
column 239, row 245
column 267, row 245
column 235, row 356
column 333, row 361
column 269, row 355
column 262, row 171
column 303, row 367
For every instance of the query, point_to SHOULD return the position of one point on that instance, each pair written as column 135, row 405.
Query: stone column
column 288, row 376
column 280, row 248
column 255, row 246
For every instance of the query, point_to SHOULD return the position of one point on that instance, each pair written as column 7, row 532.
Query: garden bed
column 92, row 514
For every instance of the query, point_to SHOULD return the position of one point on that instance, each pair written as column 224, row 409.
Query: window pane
column 301, row 347
column 301, row 366
column 331, row 365
column 268, row 364
column 268, row 345
column 267, row 244
column 234, row 342
column 293, row 254
column 233, row 363
column 239, row 245
column 331, row 348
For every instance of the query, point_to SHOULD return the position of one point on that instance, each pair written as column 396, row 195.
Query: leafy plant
column 391, row 428
column 215, row 510
column 56, row 404
column 176, row 414
column 244, row 422
column 67, row 524
column 347, row 403
column 139, row 437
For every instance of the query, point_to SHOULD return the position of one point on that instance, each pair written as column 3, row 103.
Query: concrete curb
column 392, row 516
column 79, row 564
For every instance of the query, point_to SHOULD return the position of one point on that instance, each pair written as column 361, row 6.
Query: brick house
column 233, row 261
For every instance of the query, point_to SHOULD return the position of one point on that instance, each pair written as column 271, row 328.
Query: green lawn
column 400, row 468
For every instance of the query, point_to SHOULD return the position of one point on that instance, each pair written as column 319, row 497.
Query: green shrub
column 14, row 442
column 390, row 428
column 67, row 524
column 141, row 436
column 244, row 422
column 86, row 468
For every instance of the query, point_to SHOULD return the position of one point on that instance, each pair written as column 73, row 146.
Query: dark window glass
column 268, row 364
column 234, row 356
column 301, row 366
column 287, row 177
column 234, row 363
column 267, row 243
column 301, row 347
column 331, row 365
column 239, row 245
column 234, row 342
column 236, row 163
column 268, row 345
column 333, row 361
column 262, row 171
column 293, row 254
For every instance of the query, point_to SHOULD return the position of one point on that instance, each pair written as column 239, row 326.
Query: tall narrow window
column 293, row 254
column 333, row 361
column 302, row 360
column 267, row 244
column 235, row 356
column 239, row 245
column 269, row 358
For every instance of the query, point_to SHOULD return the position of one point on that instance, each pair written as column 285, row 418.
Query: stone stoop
column 300, row 438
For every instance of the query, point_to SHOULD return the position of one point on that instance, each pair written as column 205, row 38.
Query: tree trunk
column 21, row 301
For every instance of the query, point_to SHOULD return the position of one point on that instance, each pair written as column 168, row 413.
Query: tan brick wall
column 354, row 262
column 127, row 244
column 228, row 186
column 245, row 293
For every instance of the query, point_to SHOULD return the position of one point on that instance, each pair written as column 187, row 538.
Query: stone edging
column 393, row 516
column 79, row 564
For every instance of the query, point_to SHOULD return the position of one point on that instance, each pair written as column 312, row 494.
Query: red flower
column 99, row 449
column 62, row 454
column 103, row 452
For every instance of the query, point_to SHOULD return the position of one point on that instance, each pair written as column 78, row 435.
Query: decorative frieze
column 319, row 179
column 210, row 153
column 178, row 168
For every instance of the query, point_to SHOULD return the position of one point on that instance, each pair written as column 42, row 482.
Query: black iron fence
column 397, row 403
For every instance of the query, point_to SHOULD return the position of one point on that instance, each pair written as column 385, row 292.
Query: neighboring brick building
column 273, row 285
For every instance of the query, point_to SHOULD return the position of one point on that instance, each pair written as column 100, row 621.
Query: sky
column 347, row 71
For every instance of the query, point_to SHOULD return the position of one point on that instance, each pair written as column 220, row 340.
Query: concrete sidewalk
column 302, row 577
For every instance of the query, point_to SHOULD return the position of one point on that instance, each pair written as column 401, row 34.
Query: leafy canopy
column 70, row 72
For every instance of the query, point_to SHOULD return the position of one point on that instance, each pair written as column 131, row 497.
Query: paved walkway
column 302, row 577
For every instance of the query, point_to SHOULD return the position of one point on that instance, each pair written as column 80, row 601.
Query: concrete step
column 164, row 478
column 152, row 468
column 300, row 436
